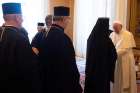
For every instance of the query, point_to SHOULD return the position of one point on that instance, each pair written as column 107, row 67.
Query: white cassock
column 125, row 74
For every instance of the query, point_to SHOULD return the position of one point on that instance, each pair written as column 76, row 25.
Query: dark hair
column 48, row 17
column 58, row 18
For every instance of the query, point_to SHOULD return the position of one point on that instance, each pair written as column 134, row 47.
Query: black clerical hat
column 61, row 11
column 11, row 8
column 40, row 24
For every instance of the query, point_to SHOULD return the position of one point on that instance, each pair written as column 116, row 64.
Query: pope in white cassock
column 125, row 75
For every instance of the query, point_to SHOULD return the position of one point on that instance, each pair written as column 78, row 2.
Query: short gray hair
column 48, row 17
column 58, row 18
column 9, row 17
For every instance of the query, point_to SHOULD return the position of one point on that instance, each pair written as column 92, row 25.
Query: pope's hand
column 121, row 52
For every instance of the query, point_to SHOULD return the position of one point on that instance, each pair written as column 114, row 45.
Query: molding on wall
column 128, row 15
column 132, row 20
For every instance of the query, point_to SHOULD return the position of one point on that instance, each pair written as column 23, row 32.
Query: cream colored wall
column 46, row 6
column 121, row 11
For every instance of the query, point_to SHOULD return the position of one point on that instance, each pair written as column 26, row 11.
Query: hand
column 121, row 52
column 35, row 50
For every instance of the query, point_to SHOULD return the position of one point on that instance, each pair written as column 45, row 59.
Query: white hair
column 117, row 22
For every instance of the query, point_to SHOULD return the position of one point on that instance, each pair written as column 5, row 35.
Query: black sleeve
column 36, row 40
column 27, row 65
column 69, row 58
column 113, row 58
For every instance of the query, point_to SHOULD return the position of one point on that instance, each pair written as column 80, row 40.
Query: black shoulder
column 38, row 34
column 10, row 32
column 57, row 31
column 68, row 38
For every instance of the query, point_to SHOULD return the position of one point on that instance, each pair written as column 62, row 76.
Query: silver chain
column 3, row 30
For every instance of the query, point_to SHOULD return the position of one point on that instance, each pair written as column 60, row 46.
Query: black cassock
column 36, row 42
column 24, row 33
column 18, row 69
column 58, row 64
column 101, row 58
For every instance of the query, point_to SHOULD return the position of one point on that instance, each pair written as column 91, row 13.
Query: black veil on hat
column 99, row 33
column 61, row 11
column 102, row 26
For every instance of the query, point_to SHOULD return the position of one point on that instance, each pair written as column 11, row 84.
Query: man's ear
column 16, row 17
column 19, row 18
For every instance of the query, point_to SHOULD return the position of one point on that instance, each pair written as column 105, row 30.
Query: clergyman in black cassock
column 58, row 64
column 38, row 37
column 101, row 59
column 18, row 69
column 41, row 34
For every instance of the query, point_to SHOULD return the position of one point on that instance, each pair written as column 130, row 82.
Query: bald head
column 117, row 26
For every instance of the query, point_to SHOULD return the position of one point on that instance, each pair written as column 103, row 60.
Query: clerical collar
column 57, row 26
column 10, row 26
column 3, row 30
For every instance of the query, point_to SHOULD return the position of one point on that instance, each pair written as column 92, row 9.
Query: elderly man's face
column 117, row 27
